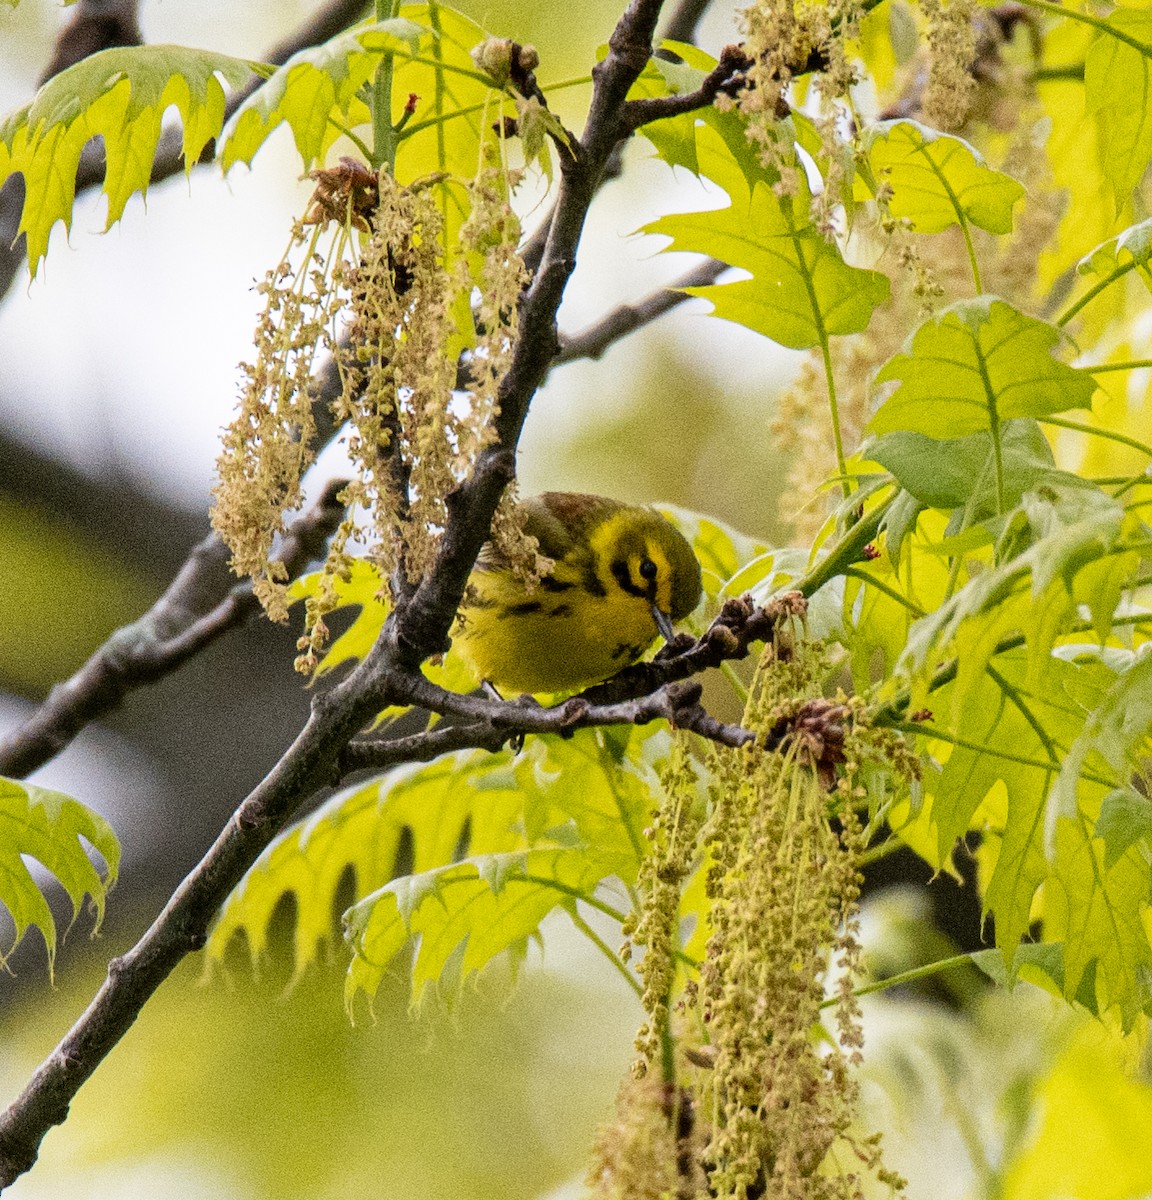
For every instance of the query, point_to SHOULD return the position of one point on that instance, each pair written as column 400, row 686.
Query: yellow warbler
column 621, row 575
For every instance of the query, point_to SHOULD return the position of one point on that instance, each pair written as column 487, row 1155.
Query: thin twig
column 681, row 25
column 594, row 341
column 378, row 754
column 201, row 604
column 726, row 78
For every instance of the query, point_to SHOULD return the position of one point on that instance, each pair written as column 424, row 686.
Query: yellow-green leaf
column 976, row 365
column 1118, row 80
column 53, row 829
column 801, row 290
column 120, row 95
column 413, row 819
column 938, row 180
column 592, row 790
column 461, row 916
column 316, row 86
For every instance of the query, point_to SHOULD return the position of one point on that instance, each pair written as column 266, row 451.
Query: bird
column 621, row 575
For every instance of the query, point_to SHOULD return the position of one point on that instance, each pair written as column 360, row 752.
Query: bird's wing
column 554, row 519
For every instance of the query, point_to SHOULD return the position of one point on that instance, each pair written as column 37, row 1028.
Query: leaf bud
column 494, row 57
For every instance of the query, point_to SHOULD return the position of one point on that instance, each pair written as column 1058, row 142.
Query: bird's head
column 645, row 556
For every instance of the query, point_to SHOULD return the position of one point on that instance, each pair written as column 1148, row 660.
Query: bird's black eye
column 649, row 569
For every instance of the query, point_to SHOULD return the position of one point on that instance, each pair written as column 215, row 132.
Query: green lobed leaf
column 53, row 829
column 120, row 95
column 412, row 819
column 938, row 180
column 1042, row 773
column 1125, row 820
column 1098, row 913
column 978, row 364
column 315, row 86
column 1015, row 736
column 462, row 915
column 1085, row 1127
column 1127, row 251
column 1041, row 963
column 1115, row 735
column 801, row 290
column 899, row 522
column 1071, row 533
column 1118, row 82
column 592, row 790
column 947, row 473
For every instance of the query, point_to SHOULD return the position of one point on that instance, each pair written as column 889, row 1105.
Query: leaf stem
column 837, row 437
column 606, row 950
column 924, row 972
column 889, row 713
column 384, row 139
column 568, row 890
column 441, row 118
column 993, row 425
column 983, row 748
column 729, row 672
column 1108, row 434
column 846, row 551
column 971, row 250
column 1070, row 73
column 358, row 142
column 1095, row 291
column 1060, row 11
column 1133, row 365
column 882, row 850
column 890, row 592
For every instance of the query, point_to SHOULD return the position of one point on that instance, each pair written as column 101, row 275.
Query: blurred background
column 117, row 372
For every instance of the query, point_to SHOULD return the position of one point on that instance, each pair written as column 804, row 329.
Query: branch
column 310, row 763
column 378, row 754
column 325, row 23
column 415, row 629
column 681, row 26
column 725, row 78
column 676, row 703
column 817, row 724
column 200, row 605
column 421, row 627
column 627, row 318
column 638, row 695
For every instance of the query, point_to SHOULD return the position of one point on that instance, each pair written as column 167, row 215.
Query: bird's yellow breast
column 568, row 632
column 619, row 575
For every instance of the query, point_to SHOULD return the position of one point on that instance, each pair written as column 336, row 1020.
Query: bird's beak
column 663, row 623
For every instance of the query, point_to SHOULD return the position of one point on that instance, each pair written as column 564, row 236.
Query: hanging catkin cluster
column 651, row 1151
column 672, row 856
column 268, row 446
column 398, row 378
column 951, row 38
column 784, row 38
column 771, row 1110
column 784, row 887
column 392, row 300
